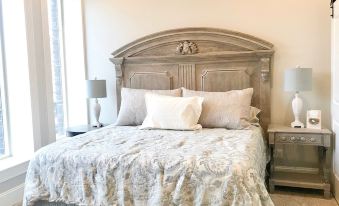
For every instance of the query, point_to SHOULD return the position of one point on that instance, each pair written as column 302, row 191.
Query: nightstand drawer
column 290, row 138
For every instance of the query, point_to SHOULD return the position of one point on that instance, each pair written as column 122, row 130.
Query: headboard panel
column 204, row 59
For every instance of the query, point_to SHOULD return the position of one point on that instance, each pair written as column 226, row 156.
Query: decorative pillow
column 229, row 110
column 165, row 112
column 133, row 108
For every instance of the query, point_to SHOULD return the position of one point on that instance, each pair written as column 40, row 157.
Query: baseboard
column 12, row 196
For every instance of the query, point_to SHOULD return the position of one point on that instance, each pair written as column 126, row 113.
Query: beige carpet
column 300, row 197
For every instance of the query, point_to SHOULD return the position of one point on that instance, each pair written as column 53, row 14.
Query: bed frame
column 205, row 59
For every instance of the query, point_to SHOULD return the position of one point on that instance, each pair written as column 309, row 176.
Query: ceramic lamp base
column 297, row 106
column 97, row 109
column 98, row 124
column 297, row 124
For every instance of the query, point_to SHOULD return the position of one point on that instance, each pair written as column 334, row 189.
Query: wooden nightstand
column 73, row 131
column 279, row 134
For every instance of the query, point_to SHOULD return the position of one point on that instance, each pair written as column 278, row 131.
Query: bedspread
column 119, row 165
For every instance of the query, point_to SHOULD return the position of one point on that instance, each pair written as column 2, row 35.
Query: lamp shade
column 298, row 79
column 96, row 88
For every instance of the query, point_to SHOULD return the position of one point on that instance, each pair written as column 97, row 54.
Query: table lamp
column 296, row 80
column 96, row 89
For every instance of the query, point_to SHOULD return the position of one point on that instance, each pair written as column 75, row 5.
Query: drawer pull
column 283, row 138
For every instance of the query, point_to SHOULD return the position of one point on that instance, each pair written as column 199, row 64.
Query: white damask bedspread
column 128, row 166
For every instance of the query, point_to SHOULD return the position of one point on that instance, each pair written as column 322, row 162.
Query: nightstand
column 279, row 134
column 73, row 131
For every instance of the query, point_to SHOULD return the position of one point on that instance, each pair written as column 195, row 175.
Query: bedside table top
column 83, row 128
column 283, row 128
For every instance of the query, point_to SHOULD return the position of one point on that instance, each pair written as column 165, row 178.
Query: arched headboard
column 205, row 59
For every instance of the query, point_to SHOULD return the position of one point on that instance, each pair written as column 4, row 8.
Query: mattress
column 121, row 165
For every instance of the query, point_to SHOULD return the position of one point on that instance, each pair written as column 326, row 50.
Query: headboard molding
column 205, row 59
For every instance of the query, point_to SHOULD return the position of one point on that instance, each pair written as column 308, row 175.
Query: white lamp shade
column 298, row 79
column 96, row 88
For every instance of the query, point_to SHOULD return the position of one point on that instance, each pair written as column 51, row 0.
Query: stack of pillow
column 183, row 109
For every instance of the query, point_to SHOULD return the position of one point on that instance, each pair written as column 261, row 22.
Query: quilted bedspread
column 119, row 165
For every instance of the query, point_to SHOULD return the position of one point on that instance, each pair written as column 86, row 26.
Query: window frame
column 3, row 92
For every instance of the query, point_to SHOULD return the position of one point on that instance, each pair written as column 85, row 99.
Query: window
column 20, row 33
column 15, row 96
column 26, row 80
column 57, row 61
column 2, row 139
column 3, row 136
column 68, row 66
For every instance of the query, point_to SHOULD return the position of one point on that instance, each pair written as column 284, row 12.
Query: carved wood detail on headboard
column 205, row 59
column 186, row 76
column 139, row 80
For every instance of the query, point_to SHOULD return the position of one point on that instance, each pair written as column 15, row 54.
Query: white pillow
column 133, row 108
column 229, row 110
column 178, row 113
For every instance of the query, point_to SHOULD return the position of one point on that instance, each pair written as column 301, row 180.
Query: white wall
column 299, row 30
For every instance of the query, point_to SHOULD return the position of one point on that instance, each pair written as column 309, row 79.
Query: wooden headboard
column 205, row 59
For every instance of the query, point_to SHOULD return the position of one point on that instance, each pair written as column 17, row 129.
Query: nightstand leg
column 324, row 171
column 270, row 183
column 271, row 186
column 321, row 162
column 271, row 160
column 327, row 191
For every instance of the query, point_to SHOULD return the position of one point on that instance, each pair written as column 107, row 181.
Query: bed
column 119, row 165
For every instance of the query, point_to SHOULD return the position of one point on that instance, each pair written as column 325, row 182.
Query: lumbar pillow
column 165, row 112
column 224, row 109
column 133, row 108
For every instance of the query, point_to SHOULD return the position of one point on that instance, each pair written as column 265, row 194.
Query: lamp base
column 97, row 109
column 297, row 124
column 297, row 105
column 98, row 124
